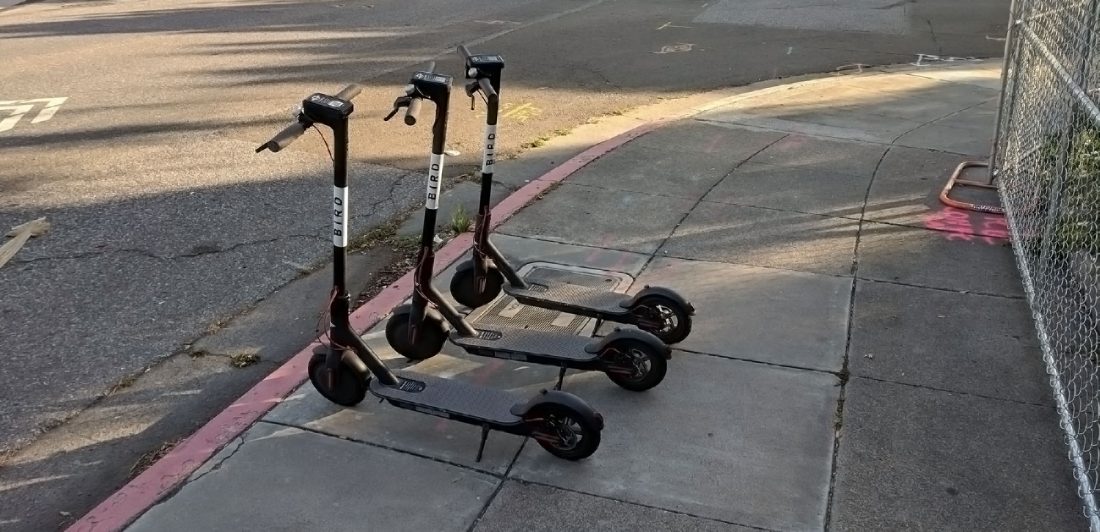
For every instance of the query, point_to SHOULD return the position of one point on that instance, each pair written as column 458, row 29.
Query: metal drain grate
column 507, row 312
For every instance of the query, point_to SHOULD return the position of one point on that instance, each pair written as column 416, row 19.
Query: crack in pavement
column 935, row 38
column 240, row 443
column 152, row 255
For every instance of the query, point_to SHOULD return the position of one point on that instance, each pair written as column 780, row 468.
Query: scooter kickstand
column 481, row 446
column 561, row 377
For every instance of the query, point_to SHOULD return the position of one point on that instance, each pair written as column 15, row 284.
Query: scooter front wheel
column 465, row 289
column 634, row 365
column 346, row 387
column 430, row 336
column 563, row 432
column 663, row 317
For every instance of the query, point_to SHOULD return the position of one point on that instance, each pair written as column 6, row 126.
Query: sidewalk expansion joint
column 845, row 375
column 664, row 241
column 639, row 504
column 956, row 392
column 386, row 447
column 740, row 125
column 934, row 120
column 760, row 362
column 500, row 486
column 940, row 289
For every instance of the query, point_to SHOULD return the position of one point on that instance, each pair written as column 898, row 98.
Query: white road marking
column 20, row 108
column 675, row 48
column 17, row 114
column 671, row 25
column 927, row 59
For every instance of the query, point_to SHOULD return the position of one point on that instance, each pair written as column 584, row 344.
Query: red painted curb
column 145, row 490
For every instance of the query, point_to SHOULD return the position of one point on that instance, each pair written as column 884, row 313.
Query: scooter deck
column 572, row 297
column 523, row 343
column 438, row 396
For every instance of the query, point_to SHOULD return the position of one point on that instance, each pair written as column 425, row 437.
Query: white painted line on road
column 928, row 59
column 858, row 67
column 52, row 105
column 17, row 113
column 669, row 24
column 20, row 108
column 675, row 48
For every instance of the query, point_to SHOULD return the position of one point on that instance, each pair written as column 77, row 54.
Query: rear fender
column 659, row 291
column 597, row 345
column 429, row 313
column 560, row 398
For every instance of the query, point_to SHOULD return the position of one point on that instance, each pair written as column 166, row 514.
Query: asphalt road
column 137, row 119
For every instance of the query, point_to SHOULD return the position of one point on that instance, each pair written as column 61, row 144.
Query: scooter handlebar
column 464, row 52
column 487, row 88
column 283, row 138
column 413, row 111
column 291, row 133
column 349, row 92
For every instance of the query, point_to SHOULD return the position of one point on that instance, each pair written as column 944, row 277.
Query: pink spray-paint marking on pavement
column 166, row 474
column 968, row 226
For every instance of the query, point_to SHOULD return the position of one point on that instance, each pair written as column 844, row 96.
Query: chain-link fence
column 1047, row 162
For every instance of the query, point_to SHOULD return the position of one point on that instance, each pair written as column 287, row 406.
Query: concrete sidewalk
column 862, row 357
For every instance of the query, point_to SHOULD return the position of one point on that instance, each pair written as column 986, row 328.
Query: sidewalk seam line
column 694, row 206
column 499, row 488
column 776, row 365
column 743, row 125
column 934, row 120
column 939, row 289
column 954, row 392
column 845, row 376
column 377, row 445
column 639, row 504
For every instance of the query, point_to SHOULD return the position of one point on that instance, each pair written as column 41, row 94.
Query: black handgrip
column 283, row 138
column 487, row 88
column 350, row 92
column 464, row 52
column 412, row 112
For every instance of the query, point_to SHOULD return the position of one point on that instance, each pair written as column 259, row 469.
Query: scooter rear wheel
column 634, row 365
column 430, row 337
column 563, row 432
column 465, row 290
column 663, row 317
column 348, row 388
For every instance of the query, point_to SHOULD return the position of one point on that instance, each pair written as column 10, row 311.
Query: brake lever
column 401, row 101
column 473, row 88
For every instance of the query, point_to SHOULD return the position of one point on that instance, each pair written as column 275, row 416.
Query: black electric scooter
column 658, row 310
column 562, row 423
column 633, row 359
